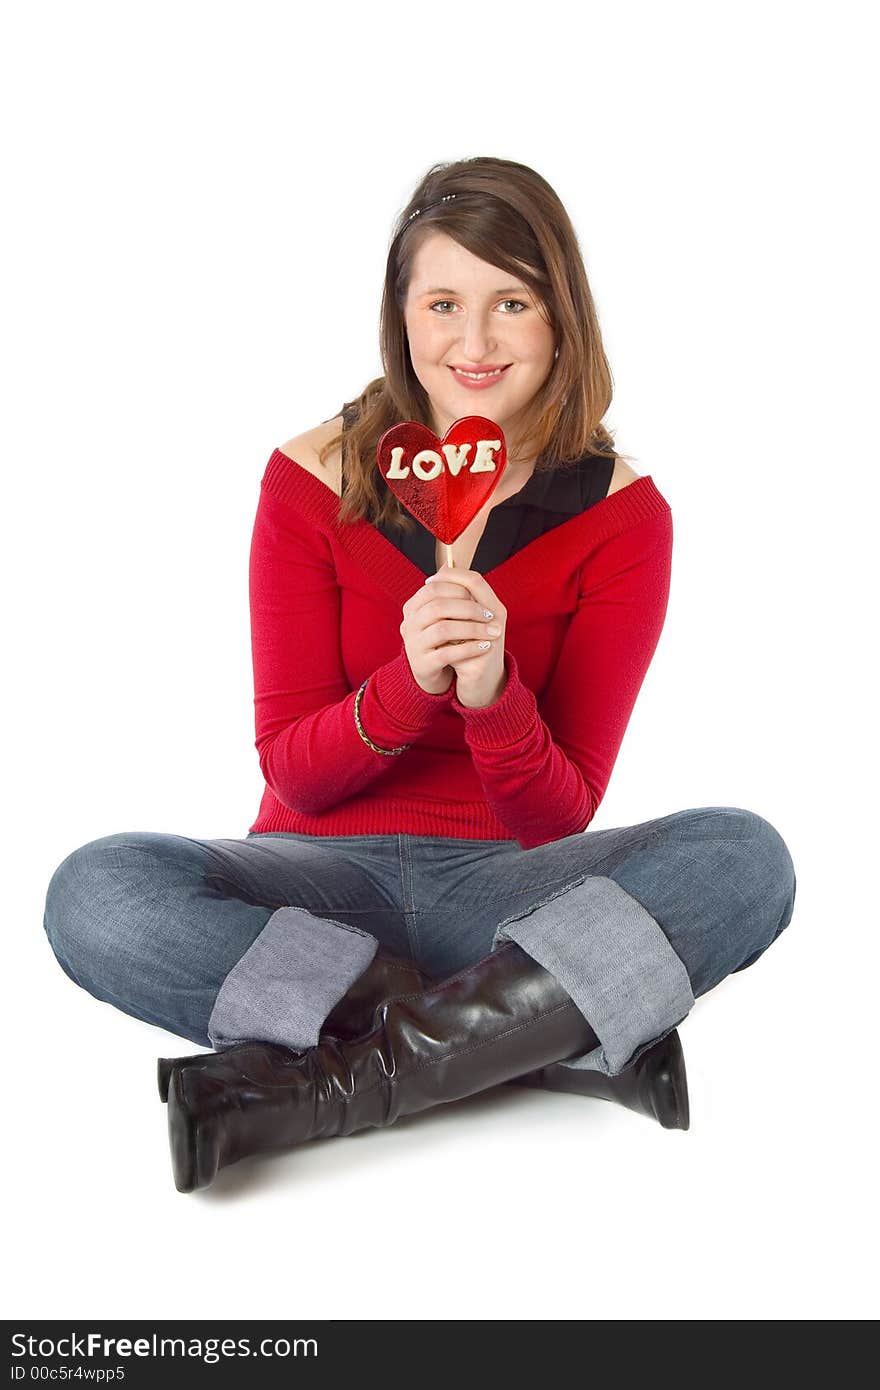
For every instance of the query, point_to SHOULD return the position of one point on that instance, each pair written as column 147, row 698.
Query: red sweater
column 585, row 604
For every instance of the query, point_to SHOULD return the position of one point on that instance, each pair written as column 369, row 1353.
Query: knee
column 750, row 877
column 85, row 899
column 771, row 874
column 771, row 862
column 68, row 916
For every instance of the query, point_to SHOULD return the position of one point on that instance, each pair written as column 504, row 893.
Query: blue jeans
column 224, row 940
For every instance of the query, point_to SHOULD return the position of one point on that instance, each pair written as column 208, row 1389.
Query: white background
column 199, row 200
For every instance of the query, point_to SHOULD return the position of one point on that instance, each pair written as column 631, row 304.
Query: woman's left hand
column 479, row 680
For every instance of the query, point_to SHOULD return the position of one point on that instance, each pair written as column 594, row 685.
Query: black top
column 548, row 499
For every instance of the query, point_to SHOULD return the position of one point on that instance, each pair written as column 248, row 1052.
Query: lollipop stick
column 451, row 563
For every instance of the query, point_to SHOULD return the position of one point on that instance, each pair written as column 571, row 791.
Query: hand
column 443, row 624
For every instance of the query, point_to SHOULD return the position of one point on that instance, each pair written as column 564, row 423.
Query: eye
column 518, row 302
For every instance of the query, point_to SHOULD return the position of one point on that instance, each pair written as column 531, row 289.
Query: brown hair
column 507, row 214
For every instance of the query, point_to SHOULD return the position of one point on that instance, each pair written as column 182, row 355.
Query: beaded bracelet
column 389, row 752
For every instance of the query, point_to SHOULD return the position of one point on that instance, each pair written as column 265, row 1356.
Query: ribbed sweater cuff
column 395, row 704
column 508, row 720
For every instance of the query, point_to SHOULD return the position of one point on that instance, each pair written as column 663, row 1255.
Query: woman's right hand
column 437, row 618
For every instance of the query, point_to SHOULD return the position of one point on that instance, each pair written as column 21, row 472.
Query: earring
column 556, row 354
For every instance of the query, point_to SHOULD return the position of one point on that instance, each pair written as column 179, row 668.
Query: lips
column 481, row 376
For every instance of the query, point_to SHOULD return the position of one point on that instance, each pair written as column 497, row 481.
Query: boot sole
column 663, row 1084
column 194, row 1155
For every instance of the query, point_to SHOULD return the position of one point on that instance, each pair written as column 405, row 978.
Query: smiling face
column 462, row 312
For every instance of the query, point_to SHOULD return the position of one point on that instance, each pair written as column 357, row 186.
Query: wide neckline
column 290, row 481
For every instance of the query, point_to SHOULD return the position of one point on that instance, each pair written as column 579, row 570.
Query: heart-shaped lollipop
column 443, row 482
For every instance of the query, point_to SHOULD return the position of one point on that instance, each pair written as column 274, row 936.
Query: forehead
column 442, row 263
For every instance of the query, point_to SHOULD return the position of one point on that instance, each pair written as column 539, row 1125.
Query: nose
column 478, row 343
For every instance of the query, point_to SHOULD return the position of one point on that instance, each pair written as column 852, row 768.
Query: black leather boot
column 655, row 1085
column 497, row 1019
column 386, row 975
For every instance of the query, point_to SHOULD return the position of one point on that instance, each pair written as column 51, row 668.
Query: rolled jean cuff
column 288, row 980
column 612, row 957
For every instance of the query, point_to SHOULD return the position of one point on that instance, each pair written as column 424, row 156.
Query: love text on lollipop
column 428, row 463
column 443, row 482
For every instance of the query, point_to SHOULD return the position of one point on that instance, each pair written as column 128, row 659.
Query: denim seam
column 407, row 896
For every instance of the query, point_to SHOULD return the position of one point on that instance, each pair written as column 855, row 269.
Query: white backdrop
column 199, row 202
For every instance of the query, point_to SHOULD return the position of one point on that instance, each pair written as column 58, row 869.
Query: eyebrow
column 508, row 289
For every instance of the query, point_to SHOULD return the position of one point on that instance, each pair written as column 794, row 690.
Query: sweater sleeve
column 310, row 751
column 545, row 770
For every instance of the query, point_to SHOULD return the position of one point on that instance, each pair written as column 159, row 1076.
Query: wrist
column 405, row 707
column 511, row 718
column 495, row 696
column 437, row 688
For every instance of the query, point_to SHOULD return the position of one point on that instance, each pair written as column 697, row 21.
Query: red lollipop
column 443, row 482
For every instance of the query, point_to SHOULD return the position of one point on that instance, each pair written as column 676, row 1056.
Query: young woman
column 419, row 910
